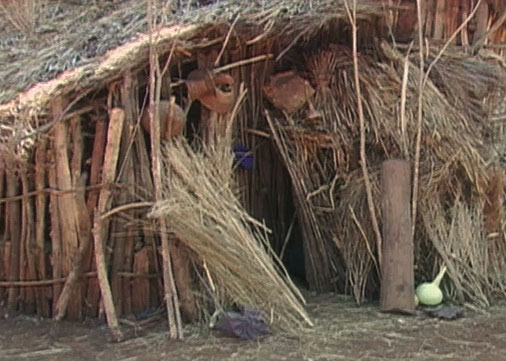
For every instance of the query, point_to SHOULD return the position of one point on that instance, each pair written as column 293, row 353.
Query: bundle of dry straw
column 460, row 241
column 455, row 164
column 202, row 209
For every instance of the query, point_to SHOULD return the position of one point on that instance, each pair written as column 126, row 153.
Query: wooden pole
column 170, row 292
column 40, row 221
column 3, row 246
column 100, row 225
column 13, row 212
column 122, row 258
column 67, row 208
column 97, row 162
column 397, row 275
column 31, row 301
column 55, row 233
column 77, row 262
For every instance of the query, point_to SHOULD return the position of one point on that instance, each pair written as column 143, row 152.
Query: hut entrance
column 293, row 256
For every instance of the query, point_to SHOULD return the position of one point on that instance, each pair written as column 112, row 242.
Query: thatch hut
column 82, row 169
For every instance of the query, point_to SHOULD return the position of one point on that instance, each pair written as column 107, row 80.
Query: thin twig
column 49, row 282
column 39, row 283
column 292, row 44
column 423, row 81
column 170, row 293
column 287, row 236
column 63, row 116
column 481, row 41
column 227, row 39
column 229, row 66
column 125, row 207
column 421, row 84
column 242, row 62
column 352, row 16
column 448, row 42
column 405, row 76
column 55, row 191
column 364, row 236
column 169, row 60
column 137, row 275
column 258, row 132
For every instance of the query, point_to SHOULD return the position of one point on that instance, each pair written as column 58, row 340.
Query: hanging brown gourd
column 172, row 119
column 215, row 92
column 288, row 91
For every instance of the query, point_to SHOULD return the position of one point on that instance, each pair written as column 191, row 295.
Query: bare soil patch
column 343, row 331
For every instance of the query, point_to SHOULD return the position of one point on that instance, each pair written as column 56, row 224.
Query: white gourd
column 429, row 293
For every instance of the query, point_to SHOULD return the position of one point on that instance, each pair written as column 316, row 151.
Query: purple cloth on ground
column 246, row 325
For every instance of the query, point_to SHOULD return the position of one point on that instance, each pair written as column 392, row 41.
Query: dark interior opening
column 293, row 257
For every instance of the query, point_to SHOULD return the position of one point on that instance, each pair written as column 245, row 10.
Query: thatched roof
column 79, row 48
column 80, row 37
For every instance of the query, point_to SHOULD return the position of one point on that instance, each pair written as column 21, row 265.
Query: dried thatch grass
column 78, row 35
column 455, row 142
column 458, row 237
column 314, row 187
column 355, row 238
column 202, row 209
column 21, row 14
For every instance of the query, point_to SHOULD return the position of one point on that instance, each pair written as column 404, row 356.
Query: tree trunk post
column 397, row 274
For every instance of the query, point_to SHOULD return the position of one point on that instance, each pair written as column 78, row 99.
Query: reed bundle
column 202, row 208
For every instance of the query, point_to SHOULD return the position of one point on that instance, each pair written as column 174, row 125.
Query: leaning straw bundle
column 464, row 248
column 203, row 211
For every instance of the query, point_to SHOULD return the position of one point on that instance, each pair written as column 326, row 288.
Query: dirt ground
column 342, row 332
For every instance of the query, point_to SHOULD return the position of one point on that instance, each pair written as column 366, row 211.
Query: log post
column 41, row 201
column 77, row 262
column 397, row 274
column 55, row 228
column 170, row 291
column 67, row 207
column 13, row 212
column 31, row 299
column 122, row 257
column 97, row 162
column 100, row 225
column 3, row 254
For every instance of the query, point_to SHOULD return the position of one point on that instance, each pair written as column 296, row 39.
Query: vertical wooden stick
column 141, row 298
column 3, row 244
column 55, row 233
column 171, row 299
column 97, row 162
column 352, row 15
column 28, row 255
column 25, row 295
column 77, row 262
column 100, row 226
column 129, row 168
column 123, row 246
column 397, row 275
column 40, row 221
column 66, row 205
column 14, row 212
column 182, row 276
column 439, row 21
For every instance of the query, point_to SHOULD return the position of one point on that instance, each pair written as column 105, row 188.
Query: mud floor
column 343, row 331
